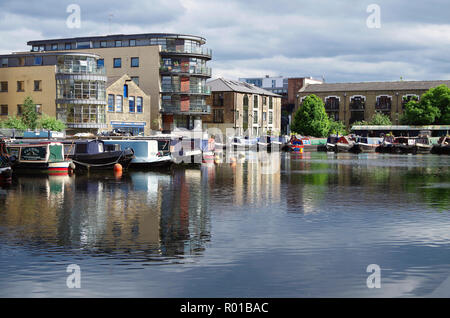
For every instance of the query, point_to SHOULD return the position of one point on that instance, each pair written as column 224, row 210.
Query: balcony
column 194, row 108
column 181, row 49
column 357, row 106
column 191, row 91
column 383, row 106
column 83, row 70
column 192, row 70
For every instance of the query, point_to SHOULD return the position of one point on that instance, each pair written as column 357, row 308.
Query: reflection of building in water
column 150, row 213
column 257, row 180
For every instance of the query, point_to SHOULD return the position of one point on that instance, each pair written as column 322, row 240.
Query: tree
column 380, row 119
column 337, row 127
column 311, row 118
column 14, row 122
column 438, row 97
column 29, row 114
column 420, row 113
column 51, row 123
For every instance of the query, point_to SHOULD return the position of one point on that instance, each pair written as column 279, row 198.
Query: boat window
column 81, row 148
column 100, row 147
column 163, row 145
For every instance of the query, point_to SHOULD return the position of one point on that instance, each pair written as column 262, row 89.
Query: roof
column 372, row 86
column 224, row 85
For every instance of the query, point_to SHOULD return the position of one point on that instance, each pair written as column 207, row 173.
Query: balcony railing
column 332, row 107
column 195, row 70
column 80, row 70
column 357, row 106
column 194, row 108
column 379, row 106
column 188, row 50
column 191, row 90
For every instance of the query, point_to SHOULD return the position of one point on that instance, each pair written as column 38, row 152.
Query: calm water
column 308, row 228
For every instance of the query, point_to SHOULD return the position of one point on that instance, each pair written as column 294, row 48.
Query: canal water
column 307, row 226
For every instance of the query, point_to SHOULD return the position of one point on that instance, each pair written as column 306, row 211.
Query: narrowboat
column 95, row 155
column 298, row 144
column 422, row 145
column 330, row 146
column 442, row 147
column 365, row 145
column 5, row 164
column 148, row 153
column 40, row 157
column 401, row 145
column 344, row 144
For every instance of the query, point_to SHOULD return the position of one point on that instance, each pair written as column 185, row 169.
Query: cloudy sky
column 252, row 38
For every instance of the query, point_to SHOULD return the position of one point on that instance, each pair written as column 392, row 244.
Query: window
column 35, row 48
column 3, row 86
column 270, row 102
column 41, row 47
column 332, row 103
column 135, row 79
column 37, row 85
column 131, row 104
column 100, row 63
column 274, row 83
column 255, row 101
column 39, row 109
column 218, row 115
column 5, row 62
column 264, row 100
column 125, row 90
column 19, row 109
column 134, row 62
column 4, row 110
column 132, row 42
column 20, row 86
column 270, row 118
column 119, row 100
column 84, row 45
column 54, row 46
column 38, row 60
column 102, row 43
column 117, row 62
column 139, row 104
column 255, row 117
column 68, row 46
column 110, row 103
column 264, row 116
column 118, row 43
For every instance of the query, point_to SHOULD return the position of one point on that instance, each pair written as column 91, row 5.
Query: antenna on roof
column 110, row 16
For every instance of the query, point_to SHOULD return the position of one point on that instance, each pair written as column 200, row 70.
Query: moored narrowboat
column 344, row 144
column 40, row 158
column 442, row 147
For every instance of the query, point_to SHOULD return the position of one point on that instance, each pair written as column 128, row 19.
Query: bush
column 51, row 123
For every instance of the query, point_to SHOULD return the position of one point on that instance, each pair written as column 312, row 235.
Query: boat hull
column 342, row 147
column 103, row 160
column 58, row 168
column 363, row 148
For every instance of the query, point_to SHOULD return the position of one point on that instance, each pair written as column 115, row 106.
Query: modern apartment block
column 171, row 68
column 350, row 102
column 244, row 107
column 69, row 86
column 128, row 106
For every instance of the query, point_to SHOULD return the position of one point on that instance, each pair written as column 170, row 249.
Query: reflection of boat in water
column 269, row 143
column 94, row 154
column 42, row 157
column 442, row 147
column 5, row 164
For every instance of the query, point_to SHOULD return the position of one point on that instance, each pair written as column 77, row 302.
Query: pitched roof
column 372, row 86
column 225, row 85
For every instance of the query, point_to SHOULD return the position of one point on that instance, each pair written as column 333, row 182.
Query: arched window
column 332, row 103
column 383, row 103
column 357, row 102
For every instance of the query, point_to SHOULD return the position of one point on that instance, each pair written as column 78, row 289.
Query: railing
column 331, row 107
column 379, row 106
column 191, row 90
column 193, row 108
column 80, row 70
column 357, row 106
column 195, row 70
column 188, row 50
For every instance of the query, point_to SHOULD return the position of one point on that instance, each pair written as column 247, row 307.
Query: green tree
column 337, row 127
column 29, row 114
column 380, row 119
column 420, row 113
column 438, row 97
column 51, row 123
column 14, row 122
column 311, row 118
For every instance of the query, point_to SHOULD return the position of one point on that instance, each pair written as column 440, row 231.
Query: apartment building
column 171, row 68
column 69, row 86
column 350, row 102
column 244, row 107
column 128, row 106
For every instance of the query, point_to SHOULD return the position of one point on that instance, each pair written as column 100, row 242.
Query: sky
column 340, row 40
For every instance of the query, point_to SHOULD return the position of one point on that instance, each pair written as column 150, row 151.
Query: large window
column 132, row 106
column 139, row 104
column 218, row 115
column 110, row 103
column 332, row 103
column 38, row 60
column 117, row 62
column 134, row 62
column 357, row 103
column 119, row 100
column 383, row 103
